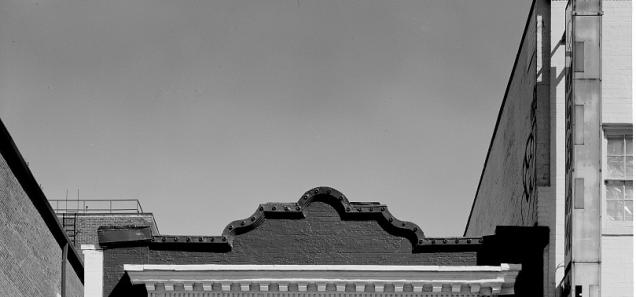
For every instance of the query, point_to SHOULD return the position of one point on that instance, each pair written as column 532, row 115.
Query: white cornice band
column 251, row 267
column 475, row 280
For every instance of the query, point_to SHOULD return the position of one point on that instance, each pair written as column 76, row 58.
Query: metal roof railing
column 96, row 206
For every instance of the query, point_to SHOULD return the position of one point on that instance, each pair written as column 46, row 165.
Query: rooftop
column 93, row 206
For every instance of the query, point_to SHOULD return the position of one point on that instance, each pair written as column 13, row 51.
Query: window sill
column 618, row 228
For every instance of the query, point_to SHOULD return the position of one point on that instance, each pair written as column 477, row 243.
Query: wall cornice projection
column 311, row 280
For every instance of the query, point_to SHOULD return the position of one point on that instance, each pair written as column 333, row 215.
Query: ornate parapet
column 321, row 246
column 346, row 210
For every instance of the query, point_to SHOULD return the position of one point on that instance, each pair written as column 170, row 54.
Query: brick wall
column 114, row 260
column 322, row 237
column 617, row 274
column 87, row 224
column 617, row 61
column 30, row 257
column 518, row 160
column 617, row 251
column 325, row 234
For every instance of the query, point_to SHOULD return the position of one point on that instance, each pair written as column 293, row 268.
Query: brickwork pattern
column 87, row 225
column 617, row 251
column 500, row 198
column 617, row 274
column 30, row 256
column 114, row 260
column 617, row 62
column 322, row 237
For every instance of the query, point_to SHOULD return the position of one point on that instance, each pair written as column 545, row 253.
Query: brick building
column 560, row 157
column 552, row 215
column 322, row 245
column 36, row 256
column 81, row 220
column 561, row 152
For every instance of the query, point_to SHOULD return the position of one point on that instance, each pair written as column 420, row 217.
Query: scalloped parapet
column 347, row 210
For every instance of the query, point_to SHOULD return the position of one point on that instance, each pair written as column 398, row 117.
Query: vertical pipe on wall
column 63, row 281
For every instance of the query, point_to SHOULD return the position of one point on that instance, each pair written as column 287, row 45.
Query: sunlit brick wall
column 30, row 256
column 617, row 61
column 508, row 190
column 87, row 225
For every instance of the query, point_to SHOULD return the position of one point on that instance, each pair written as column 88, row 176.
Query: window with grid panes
column 618, row 178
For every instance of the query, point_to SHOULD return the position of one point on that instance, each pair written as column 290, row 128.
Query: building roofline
column 128, row 214
column 348, row 211
column 111, row 214
column 501, row 108
column 23, row 174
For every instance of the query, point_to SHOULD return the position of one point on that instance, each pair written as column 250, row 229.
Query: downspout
column 64, row 257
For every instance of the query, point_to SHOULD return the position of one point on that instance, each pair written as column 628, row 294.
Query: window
column 618, row 178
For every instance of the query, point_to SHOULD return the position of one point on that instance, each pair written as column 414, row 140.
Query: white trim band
column 240, row 267
column 454, row 280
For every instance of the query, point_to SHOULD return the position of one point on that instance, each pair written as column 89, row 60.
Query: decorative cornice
column 249, row 280
column 346, row 209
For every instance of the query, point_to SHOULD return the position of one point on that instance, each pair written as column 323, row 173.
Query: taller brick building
column 561, row 152
column 81, row 220
column 37, row 258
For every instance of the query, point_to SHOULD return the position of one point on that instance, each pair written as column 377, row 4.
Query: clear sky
column 204, row 109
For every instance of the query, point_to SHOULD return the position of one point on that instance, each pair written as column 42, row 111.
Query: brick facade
column 33, row 243
column 617, row 263
column 617, row 61
column 550, row 211
column 86, row 224
column 30, row 257
column 617, row 274
column 321, row 230
column 518, row 159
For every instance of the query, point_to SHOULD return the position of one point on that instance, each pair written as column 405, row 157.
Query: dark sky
column 203, row 109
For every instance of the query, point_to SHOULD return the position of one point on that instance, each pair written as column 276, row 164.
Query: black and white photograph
column 316, row 148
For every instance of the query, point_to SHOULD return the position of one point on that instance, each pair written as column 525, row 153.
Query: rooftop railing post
column 97, row 206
